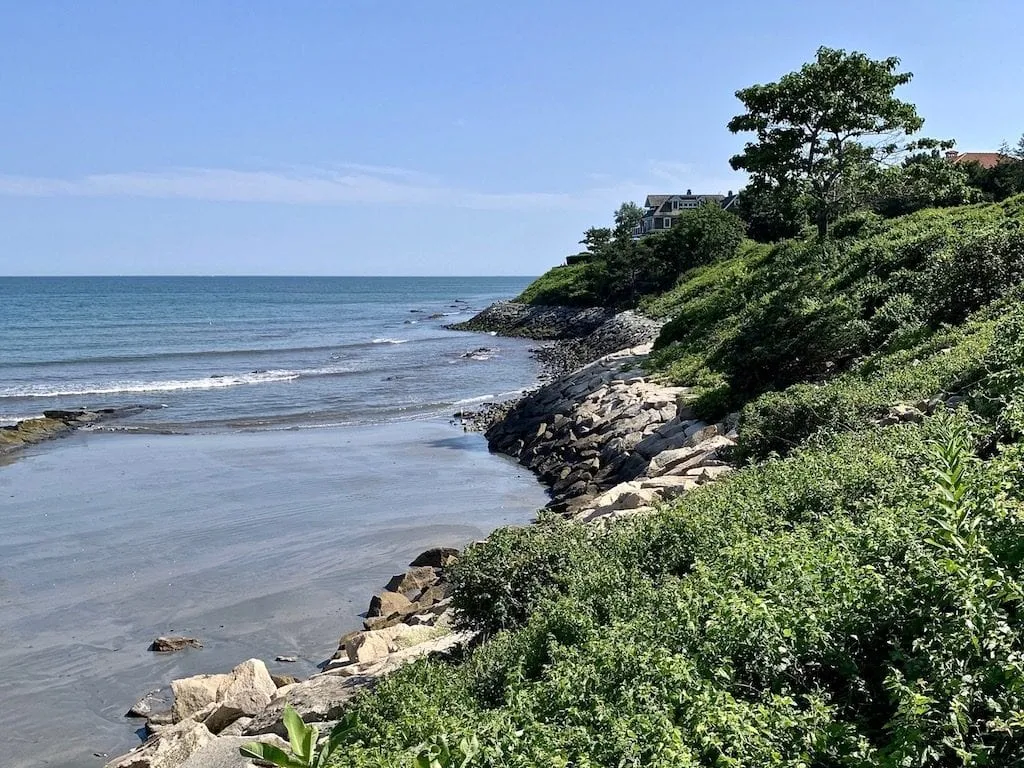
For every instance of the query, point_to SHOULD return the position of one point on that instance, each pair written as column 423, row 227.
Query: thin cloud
column 351, row 185
column 346, row 184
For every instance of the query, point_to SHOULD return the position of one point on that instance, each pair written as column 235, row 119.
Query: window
column 667, row 222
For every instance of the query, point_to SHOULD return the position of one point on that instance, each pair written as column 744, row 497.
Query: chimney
column 730, row 193
column 951, row 154
column 689, row 192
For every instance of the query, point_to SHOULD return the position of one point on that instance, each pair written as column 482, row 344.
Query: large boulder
column 368, row 646
column 223, row 752
column 191, row 694
column 321, row 698
column 413, row 581
column 388, row 603
column 249, row 689
column 171, row 748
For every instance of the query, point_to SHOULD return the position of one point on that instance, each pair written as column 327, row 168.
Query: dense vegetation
column 850, row 597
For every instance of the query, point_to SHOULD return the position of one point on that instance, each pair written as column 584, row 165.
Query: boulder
column 381, row 622
column 413, row 581
column 282, row 680
column 249, row 689
column 907, row 413
column 191, row 694
column 438, row 557
column 388, row 603
column 368, row 646
column 170, row 748
column 431, row 595
column 148, row 705
column 173, row 643
column 223, row 752
column 321, row 698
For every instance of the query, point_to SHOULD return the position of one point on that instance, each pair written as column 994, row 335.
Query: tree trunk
column 822, row 222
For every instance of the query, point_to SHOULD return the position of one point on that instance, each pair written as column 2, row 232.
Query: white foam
column 172, row 385
column 8, row 419
column 488, row 398
column 390, row 341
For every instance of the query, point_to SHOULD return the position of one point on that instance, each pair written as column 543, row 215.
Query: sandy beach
column 260, row 544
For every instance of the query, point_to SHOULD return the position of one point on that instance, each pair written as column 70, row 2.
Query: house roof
column 984, row 159
column 657, row 203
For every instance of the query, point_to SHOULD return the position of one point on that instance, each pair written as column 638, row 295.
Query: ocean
column 251, row 352
column 286, row 448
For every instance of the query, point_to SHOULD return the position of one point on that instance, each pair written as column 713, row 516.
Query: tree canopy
column 826, row 127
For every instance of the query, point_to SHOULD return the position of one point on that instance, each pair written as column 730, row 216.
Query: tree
column 826, row 128
column 772, row 211
column 596, row 238
column 627, row 216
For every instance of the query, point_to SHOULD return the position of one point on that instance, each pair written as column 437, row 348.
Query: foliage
column 1001, row 181
column 824, row 127
column 925, row 180
column 619, row 271
column 801, row 312
column 302, row 738
column 852, row 605
column 573, row 285
column 772, row 210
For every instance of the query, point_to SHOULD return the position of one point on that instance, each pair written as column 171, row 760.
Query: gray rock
column 168, row 749
column 438, row 557
column 173, row 643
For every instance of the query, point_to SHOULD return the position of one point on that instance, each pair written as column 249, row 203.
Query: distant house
column 984, row 159
column 661, row 210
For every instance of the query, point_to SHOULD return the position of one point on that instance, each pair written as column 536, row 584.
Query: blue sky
column 426, row 137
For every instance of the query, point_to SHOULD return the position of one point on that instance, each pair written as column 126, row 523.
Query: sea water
column 294, row 451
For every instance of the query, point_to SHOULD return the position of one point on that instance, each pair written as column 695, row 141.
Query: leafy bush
column 982, row 266
column 498, row 583
column 571, row 285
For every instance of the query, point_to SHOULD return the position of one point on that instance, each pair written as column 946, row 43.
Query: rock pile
column 55, row 424
column 510, row 318
column 204, row 706
column 409, row 618
column 612, row 443
column 622, row 331
column 51, row 424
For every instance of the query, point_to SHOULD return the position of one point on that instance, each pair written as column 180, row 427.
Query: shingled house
column 661, row 210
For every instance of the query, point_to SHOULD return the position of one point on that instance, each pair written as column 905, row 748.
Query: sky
column 430, row 137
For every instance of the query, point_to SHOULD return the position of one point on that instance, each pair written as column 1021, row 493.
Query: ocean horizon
column 250, row 352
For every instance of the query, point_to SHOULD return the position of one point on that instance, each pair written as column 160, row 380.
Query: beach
column 259, row 543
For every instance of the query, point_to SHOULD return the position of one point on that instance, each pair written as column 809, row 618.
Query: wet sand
column 260, row 544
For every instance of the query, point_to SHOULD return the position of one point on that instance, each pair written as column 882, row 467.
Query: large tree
column 826, row 128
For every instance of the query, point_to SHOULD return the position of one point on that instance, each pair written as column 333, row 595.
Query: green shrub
column 497, row 584
column 571, row 285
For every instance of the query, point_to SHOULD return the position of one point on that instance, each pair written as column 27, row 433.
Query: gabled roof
column 660, row 203
column 654, row 201
column 984, row 159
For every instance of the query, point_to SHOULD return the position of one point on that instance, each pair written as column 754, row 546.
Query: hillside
column 852, row 602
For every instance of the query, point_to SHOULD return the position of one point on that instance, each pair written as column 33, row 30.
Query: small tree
column 627, row 216
column 596, row 239
column 826, row 128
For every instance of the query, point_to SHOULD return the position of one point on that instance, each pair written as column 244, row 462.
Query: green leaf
column 270, row 754
column 298, row 733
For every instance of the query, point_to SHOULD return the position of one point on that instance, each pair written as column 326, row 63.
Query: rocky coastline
column 608, row 441
column 51, row 425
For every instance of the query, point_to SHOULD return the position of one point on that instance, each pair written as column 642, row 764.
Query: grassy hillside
column 849, row 598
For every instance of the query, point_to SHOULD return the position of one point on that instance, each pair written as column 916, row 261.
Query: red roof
column 984, row 159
